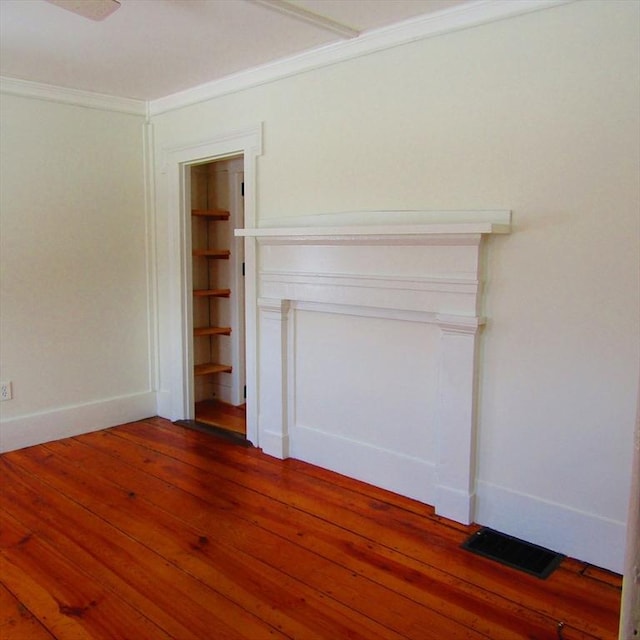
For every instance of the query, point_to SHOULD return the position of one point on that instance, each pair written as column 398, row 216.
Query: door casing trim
column 176, row 162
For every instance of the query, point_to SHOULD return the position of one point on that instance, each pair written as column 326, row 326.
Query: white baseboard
column 64, row 422
column 455, row 505
column 383, row 468
column 274, row 444
column 585, row 536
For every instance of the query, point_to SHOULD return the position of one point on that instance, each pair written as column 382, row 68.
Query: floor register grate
column 513, row 552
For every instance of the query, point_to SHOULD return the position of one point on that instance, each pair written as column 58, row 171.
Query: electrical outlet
column 5, row 391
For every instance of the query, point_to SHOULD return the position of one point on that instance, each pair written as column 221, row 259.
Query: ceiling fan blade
column 92, row 9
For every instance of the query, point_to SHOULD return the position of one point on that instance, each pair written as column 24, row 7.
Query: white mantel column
column 455, row 467
column 273, row 389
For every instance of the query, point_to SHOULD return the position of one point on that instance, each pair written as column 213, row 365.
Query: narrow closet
column 218, row 294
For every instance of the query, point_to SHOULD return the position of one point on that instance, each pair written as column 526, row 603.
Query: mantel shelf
column 366, row 226
column 459, row 228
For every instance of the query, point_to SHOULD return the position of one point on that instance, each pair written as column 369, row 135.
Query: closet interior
column 218, row 294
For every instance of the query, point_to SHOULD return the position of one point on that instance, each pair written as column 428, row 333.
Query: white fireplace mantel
column 367, row 226
column 340, row 294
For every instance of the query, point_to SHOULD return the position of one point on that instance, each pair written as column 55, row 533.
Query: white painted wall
column 538, row 114
column 73, row 311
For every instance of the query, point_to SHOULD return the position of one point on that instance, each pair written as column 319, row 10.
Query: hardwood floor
column 153, row 531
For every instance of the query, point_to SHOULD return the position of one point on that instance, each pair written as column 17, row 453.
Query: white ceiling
column 149, row 49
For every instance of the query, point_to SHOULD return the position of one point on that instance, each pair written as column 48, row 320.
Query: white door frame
column 236, row 283
column 178, row 161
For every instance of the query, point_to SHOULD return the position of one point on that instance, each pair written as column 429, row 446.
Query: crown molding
column 303, row 15
column 426, row 26
column 28, row 89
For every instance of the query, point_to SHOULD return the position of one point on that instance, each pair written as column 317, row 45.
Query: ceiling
column 149, row 49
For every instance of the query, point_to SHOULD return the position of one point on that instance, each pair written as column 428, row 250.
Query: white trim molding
column 273, row 376
column 65, row 422
column 556, row 526
column 302, row 14
column 425, row 26
column 410, row 271
column 630, row 607
column 52, row 93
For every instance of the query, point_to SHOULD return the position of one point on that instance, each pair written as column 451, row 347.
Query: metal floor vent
column 513, row 552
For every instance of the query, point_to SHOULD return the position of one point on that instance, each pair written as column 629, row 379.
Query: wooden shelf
column 217, row 325
column 212, row 331
column 212, row 214
column 215, row 293
column 211, row 367
column 219, row 254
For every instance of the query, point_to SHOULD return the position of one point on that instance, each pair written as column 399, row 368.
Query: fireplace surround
column 367, row 334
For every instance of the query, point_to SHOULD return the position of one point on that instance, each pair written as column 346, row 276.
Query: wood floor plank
column 17, row 622
column 166, row 594
column 558, row 597
column 432, row 588
column 324, row 574
column 602, row 575
column 65, row 599
column 185, row 533
column 291, row 606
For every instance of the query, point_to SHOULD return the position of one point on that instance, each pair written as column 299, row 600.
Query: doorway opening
column 216, row 191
